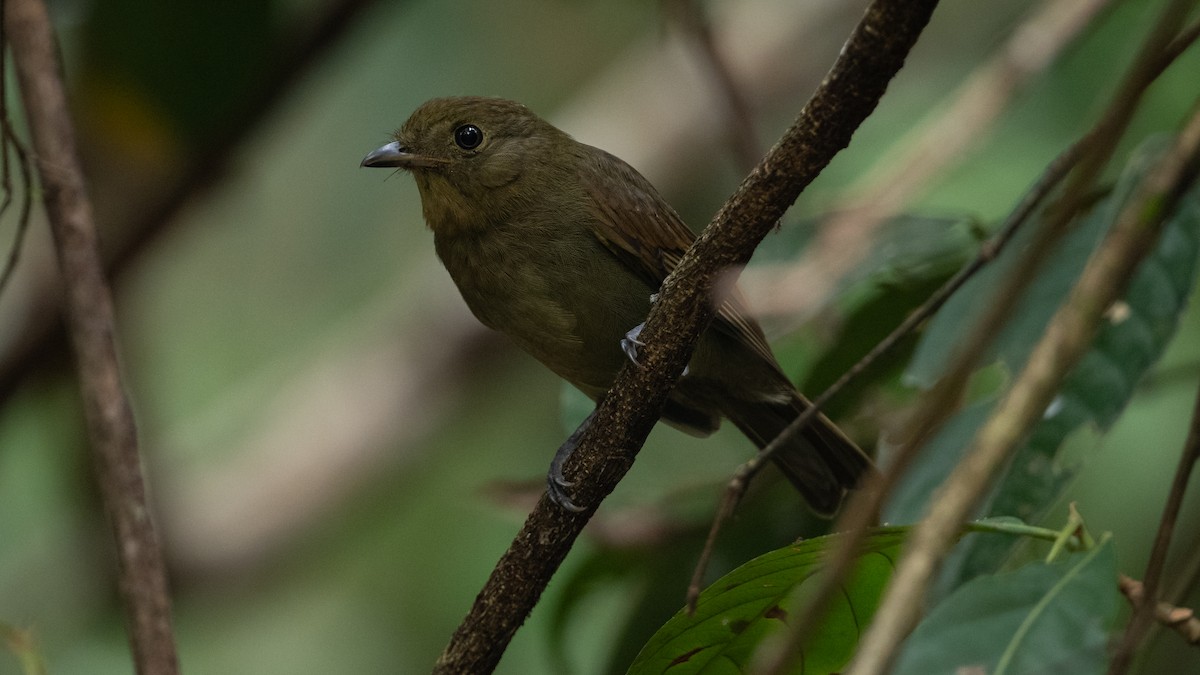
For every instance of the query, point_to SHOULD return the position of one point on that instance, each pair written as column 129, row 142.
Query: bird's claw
column 557, row 485
column 556, row 489
column 630, row 343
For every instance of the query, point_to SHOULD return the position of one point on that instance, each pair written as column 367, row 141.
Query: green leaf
column 1094, row 392
column 910, row 257
column 751, row 603
column 909, row 498
column 1042, row 618
column 1100, row 386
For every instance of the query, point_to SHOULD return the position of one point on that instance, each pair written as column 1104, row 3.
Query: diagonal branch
column 1144, row 611
column 739, row 122
column 872, row 56
column 43, row 340
column 1067, row 337
column 1182, row 620
column 88, row 304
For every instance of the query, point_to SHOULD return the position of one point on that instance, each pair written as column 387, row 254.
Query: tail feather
column 820, row 461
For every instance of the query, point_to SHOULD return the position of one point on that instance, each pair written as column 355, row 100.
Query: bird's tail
column 820, row 461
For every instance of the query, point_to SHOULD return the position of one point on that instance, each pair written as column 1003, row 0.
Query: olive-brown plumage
column 560, row 245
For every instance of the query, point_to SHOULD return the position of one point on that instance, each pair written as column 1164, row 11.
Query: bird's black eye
column 468, row 136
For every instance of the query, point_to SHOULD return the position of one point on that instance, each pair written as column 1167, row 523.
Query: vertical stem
column 89, row 315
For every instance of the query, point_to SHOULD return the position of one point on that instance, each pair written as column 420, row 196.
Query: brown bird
column 560, row 245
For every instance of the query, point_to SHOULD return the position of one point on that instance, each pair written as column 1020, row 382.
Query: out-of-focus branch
column 42, row 339
column 865, row 504
column 919, row 160
column 89, row 313
column 10, row 143
column 739, row 121
column 202, row 500
column 1145, row 612
column 1182, row 620
column 871, row 57
column 1067, row 337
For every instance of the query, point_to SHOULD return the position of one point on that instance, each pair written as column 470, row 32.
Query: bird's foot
column 630, row 343
column 557, row 485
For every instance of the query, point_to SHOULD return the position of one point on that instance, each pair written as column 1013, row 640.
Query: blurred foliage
column 1051, row 617
column 1045, row 617
column 1096, row 390
column 293, row 255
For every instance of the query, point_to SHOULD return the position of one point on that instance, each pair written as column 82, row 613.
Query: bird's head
column 472, row 157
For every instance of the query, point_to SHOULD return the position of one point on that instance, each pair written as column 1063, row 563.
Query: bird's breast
column 564, row 300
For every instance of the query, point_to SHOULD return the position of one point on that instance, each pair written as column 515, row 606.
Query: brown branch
column 871, row 57
column 1182, row 620
column 940, row 142
column 735, row 490
column 88, row 304
column 1066, row 339
column 1144, row 613
column 147, row 221
column 739, row 122
column 10, row 141
column 865, row 505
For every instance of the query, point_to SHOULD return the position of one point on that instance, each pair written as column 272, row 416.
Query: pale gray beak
column 390, row 156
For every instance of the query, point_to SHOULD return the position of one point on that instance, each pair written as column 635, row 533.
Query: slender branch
column 1144, row 613
column 1056, row 25
column 1187, row 578
column 871, row 57
column 1065, row 341
column 865, row 505
column 146, row 221
column 9, row 140
column 739, row 122
column 920, row 158
column 1098, row 145
column 141, row 573
column 1182, row 620
column 735, row 490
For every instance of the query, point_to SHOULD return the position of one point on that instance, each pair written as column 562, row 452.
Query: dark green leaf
column 909, row 498
column 1042, row 618
column 1100, row 386
column 1096, row 390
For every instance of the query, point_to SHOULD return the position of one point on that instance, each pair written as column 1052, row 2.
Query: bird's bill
column 395, row 156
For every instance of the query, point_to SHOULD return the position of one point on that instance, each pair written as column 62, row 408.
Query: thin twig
column 870, row 59
column 943, row 399
column 1187, row 578
column 1182, row 620
column 9, row 140
column 920, row 158
column 1067, row 337
column 141, row 572
column 865, row 505
column 739, row 120
column 1143, row 614
column 147, row 221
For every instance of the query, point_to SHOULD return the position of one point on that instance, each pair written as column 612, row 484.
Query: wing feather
column 640, row 228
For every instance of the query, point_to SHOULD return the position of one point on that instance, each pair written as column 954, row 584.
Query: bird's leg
column 556, row 483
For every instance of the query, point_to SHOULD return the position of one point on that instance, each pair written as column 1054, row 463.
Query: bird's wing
column 642, row 230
